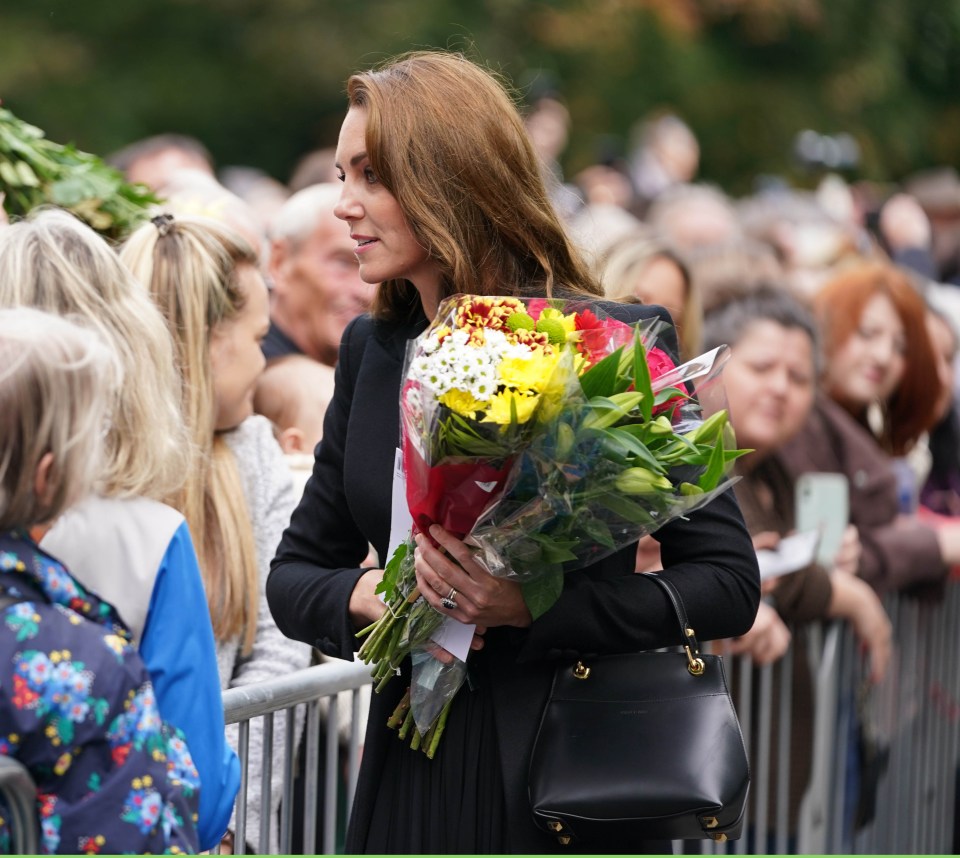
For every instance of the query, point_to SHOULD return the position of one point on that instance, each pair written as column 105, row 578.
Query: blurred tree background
column 260, row 82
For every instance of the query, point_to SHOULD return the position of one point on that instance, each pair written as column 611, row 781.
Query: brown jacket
column 899, row 552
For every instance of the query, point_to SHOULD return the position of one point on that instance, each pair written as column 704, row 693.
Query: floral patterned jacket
column 78, row 710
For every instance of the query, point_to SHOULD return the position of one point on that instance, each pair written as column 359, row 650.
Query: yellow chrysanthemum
column 562, row 383
column 463, row 403
column 531, row 374
column 499, row 407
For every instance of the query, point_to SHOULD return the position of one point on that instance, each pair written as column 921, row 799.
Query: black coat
column 605, row 608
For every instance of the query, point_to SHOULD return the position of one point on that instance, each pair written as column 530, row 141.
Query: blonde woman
column 122, row 541
column 238, row 494
column 640, row 267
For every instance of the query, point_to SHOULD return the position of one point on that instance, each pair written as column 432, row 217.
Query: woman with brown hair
column 443, row 194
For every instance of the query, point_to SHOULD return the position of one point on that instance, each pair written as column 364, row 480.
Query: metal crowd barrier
column 914, row 715
column 317, row 689
column 912, row 718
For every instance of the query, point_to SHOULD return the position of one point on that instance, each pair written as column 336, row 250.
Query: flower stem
column 400, row 713
column 431, row 748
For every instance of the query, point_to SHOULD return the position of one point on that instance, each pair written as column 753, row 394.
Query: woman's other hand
column 480, row 597
column 767, row 641
column 365, row 605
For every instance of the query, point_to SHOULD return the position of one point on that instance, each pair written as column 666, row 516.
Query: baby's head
column 293, row 392
column 57, row 381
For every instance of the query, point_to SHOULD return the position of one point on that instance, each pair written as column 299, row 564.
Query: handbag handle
column 690, row 644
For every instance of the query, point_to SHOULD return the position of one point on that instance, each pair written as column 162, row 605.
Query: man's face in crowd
column 318, row 288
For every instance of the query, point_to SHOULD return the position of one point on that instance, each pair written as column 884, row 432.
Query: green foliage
column 262, row 82
column 35, row 171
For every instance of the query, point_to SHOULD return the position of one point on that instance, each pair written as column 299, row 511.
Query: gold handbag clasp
column 581, row 671
column 694, row 663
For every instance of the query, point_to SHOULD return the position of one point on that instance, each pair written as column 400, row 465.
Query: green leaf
column 637, row 448
column 597, row 530
column 669, row 393
column 391, row 572
column 601, row 378
column 626, row 509
column 715, row 467
column 554, row 550
column 641, row 375
column 541, row 593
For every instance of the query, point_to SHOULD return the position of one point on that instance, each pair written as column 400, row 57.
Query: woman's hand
column 365, row 605
column 480, row 597
column 767, row 641
column 855, row 601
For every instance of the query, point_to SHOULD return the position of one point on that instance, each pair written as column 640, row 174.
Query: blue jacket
column 137, row 554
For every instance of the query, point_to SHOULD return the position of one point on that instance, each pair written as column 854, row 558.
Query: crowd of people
column 200, row 427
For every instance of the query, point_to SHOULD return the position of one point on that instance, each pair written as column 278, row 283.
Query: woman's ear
column 42, row 485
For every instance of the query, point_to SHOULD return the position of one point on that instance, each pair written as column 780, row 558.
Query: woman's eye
column 341, row 175
column 369, row 175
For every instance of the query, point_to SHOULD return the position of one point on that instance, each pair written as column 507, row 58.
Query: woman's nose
column 779, row 382
column 883, row 349
column 347, row 207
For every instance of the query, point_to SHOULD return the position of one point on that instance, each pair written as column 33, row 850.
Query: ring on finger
column 449, row 602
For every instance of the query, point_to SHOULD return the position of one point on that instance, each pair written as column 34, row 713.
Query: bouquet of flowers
column 547, row 435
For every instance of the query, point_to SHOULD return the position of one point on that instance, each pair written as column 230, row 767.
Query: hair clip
column 162, row 222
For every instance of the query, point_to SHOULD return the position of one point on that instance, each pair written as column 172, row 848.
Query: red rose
column 659, row 363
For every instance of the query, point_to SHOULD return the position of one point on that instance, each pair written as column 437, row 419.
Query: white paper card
column 453, row 636
column 400, row 518
column 793, row 553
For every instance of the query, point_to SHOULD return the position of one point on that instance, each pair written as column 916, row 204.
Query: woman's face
column 769, row 382
column 235, row 356
column 945, row 350
column 868, row 367
column 661, row 282
column 386, row 246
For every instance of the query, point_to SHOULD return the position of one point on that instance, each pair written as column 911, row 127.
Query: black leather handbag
column 641, row 746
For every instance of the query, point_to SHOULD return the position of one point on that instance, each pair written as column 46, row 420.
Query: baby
column 293, row 393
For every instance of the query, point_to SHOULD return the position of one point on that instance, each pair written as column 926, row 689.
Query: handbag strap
column 690, row 643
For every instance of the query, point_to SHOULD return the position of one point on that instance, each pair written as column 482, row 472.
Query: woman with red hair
column 880, row 390
column 879, row 354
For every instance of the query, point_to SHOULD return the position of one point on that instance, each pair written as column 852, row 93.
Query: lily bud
column 709, row 429
column 641, row 481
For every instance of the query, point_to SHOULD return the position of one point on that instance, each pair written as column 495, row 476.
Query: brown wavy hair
column 445, row 138
column 839, row 305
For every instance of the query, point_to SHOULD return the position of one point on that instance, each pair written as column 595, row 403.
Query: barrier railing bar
column 330, row 778
column 783, row 754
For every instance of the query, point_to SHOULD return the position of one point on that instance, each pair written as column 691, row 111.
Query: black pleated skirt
column 452, row 804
